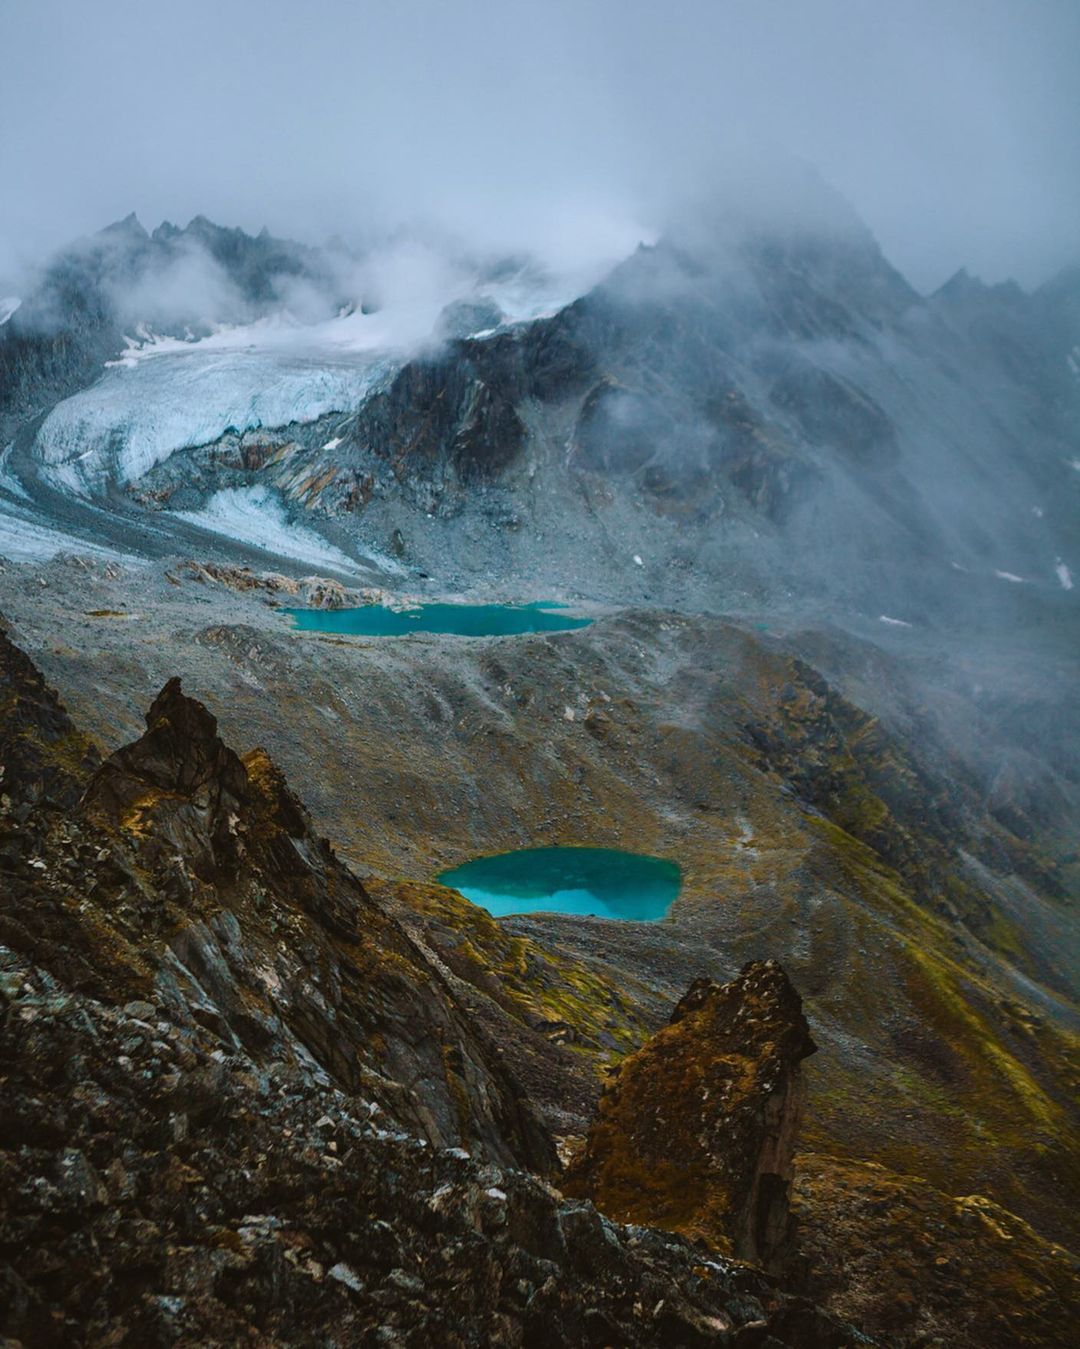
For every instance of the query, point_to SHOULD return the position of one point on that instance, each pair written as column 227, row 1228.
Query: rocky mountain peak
column 181, row 748
column 180, row 776
column 130, row 227
column 696, row 1131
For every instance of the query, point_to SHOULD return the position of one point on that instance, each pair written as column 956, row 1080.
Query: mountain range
column 264, row 1088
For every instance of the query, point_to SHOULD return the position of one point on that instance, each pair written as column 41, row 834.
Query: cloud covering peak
column 560, row 128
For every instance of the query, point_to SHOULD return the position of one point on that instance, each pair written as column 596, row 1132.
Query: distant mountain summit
column 759, row 395
column 177, row 282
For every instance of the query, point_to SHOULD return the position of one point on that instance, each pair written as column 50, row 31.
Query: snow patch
column 8, row 305
column 1064, row 575
column 257, row 516
column 1009, row 576
column 893, row 622
column 332, row 444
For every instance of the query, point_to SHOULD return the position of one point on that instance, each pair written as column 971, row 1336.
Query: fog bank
column 563, row 128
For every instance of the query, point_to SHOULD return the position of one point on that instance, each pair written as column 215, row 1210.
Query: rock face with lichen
column 192, row 878
column 696, row 1131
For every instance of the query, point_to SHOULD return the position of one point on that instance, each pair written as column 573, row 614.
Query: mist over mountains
column 949, row 127
column 760, row 374
column 539, row 650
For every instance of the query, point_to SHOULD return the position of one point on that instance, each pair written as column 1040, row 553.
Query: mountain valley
column 825, row 530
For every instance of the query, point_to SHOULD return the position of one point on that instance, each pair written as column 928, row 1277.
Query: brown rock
column 696, row 1131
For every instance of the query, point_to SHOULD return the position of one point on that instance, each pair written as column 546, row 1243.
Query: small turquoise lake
column 461, row 620
column 597, row 882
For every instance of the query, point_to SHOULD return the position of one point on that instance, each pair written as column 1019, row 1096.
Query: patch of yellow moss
column 904, row 1259
column 534, row 984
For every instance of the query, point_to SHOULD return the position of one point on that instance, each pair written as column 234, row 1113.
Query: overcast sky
column 953, row 126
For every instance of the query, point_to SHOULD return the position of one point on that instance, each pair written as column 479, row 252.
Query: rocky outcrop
column 178, row 790
column 159, row 1187
column 310, row 592
column 192, row 877
column 42, row 755
column 440, row 422
column 696, row 1131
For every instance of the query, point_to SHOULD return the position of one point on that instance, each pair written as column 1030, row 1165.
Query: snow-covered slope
column 141, row 411
column 256, row 515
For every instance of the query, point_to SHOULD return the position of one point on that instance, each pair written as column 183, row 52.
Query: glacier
column 142, row 411
column 166, row 393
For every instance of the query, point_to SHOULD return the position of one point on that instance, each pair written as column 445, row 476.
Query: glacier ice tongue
column 140, row 413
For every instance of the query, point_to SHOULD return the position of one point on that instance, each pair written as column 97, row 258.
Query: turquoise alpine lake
column 462, row 620
column 596, row 882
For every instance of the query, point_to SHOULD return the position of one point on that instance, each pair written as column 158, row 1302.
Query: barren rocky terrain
column 916, row 893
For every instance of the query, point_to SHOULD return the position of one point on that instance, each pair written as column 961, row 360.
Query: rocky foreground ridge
column 240, row 1105
column 243, row 1101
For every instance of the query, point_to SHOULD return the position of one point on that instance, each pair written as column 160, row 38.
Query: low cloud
column 557, row 129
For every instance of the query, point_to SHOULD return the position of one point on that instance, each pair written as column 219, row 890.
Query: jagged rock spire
column 696, row 1131
column 181, row 774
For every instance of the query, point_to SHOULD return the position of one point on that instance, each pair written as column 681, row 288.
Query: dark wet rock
column 197, row 1197
column 178, row 787
column 696, row 1131
column 441, row 425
